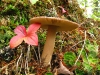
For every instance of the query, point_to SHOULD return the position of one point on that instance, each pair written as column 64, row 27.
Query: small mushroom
column 53, row 24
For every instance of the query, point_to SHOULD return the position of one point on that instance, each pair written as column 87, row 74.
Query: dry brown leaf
column 55, row 73
column 63, row 70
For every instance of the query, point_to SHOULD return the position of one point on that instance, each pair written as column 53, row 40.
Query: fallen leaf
column 63, row 70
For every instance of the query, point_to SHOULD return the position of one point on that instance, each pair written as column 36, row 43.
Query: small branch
column 35, row 54
column 4, row 67
column 81, row 49
column 18, row 61
column 27, row 60
column 76, row 44
column 39, row 53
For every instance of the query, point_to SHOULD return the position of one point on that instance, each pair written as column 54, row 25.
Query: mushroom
column 53, row 24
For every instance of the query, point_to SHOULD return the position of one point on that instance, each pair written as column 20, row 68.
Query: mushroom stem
column 49, row 45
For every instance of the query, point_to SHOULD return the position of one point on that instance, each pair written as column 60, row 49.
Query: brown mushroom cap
column 62, row 24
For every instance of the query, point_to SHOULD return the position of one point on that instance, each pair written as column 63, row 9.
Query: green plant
column 49, row 73
column 69, row 58
column 5, row 36
column 89, row 57
column 42, row 37
column 80, row 72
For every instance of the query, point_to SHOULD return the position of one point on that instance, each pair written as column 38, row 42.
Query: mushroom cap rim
column 62, row 24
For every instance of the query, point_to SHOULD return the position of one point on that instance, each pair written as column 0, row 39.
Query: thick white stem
column 49, row 45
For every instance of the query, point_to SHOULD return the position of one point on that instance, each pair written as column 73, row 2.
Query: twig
column 6, row 72
column 81, row 49
column 76, row 44
column 27, row 59
column 39, row 53
column 18, row 61
column 1, row 69
column 35, row 54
